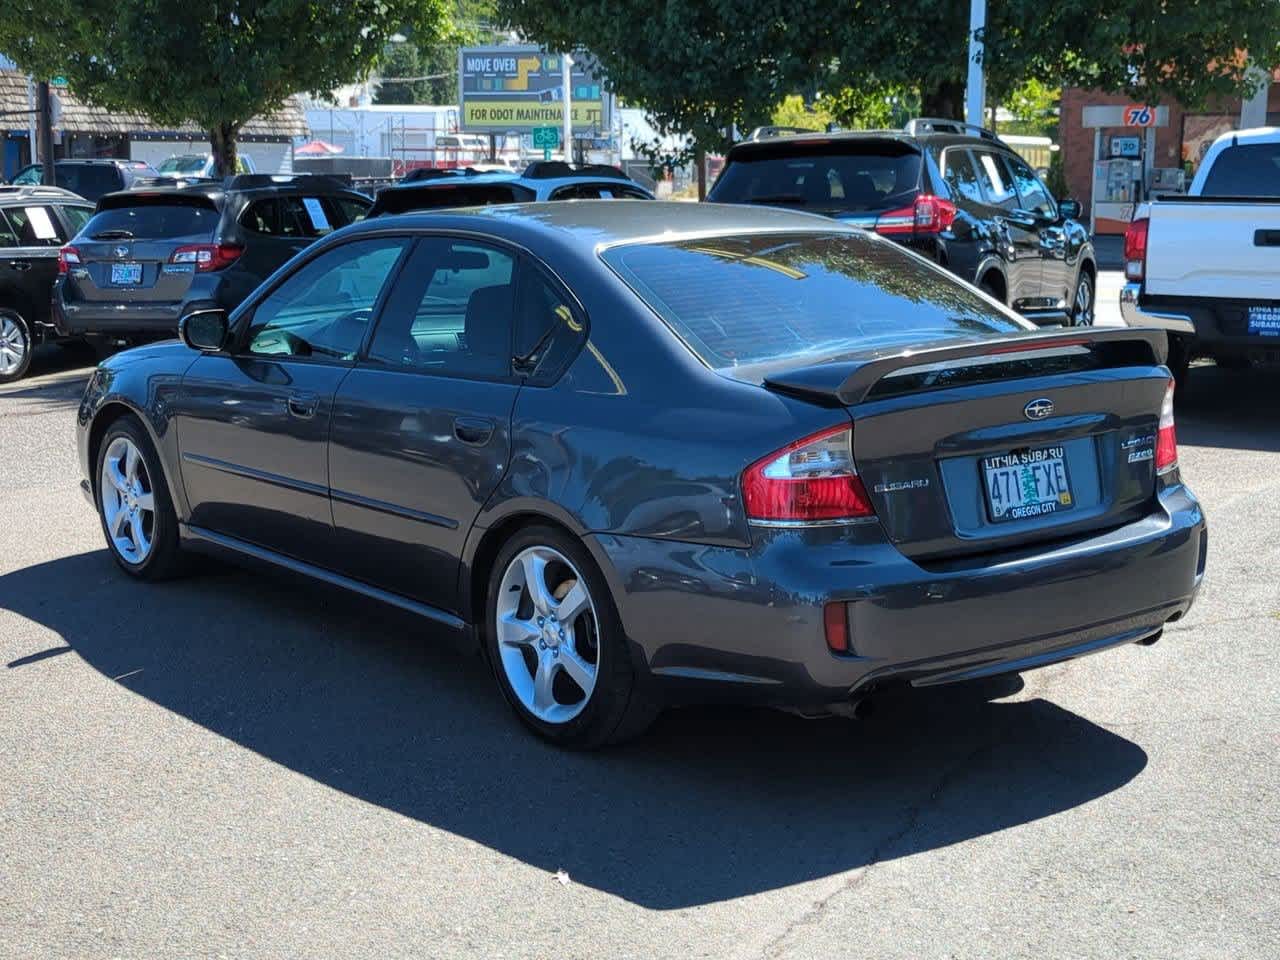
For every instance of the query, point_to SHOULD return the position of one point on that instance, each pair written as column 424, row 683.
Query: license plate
column 126, row 273
column 1264, row 321
column 1027, row 483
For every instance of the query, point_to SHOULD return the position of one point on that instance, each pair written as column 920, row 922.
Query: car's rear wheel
column 1082, row 307
column 556, row 643
column 137, row 514
column 15, row 347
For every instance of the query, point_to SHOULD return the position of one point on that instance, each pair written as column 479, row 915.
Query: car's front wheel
column 15, row 347
column 556, row 643
column 134, row 506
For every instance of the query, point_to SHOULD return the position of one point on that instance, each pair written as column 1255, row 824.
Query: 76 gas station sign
column 1140, row 116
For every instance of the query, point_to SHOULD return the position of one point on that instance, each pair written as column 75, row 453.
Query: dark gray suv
column 146, row 254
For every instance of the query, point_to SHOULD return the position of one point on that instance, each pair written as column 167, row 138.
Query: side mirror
column 1070, row 209
column 204, row 329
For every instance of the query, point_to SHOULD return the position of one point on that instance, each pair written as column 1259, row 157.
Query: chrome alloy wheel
column 1082, row 314
column 548, row 634
column 128, row 501
column 13, row 346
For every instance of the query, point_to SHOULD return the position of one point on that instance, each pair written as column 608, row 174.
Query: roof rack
column 767, row 132
column 251, row 181
column 553, row 169
column 8, row 191
column 943, row 125
column 418, row 174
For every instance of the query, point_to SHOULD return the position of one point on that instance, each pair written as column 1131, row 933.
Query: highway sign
column 519, row 88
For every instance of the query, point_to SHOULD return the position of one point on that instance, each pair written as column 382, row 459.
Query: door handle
column 20, row 264
column 302, row 406
column 473, row 430
column 1266, row 238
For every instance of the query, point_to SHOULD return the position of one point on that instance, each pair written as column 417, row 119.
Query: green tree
column 216, row 64
column 1034, row 106
column 401, row 59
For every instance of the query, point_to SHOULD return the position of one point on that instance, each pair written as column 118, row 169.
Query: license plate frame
column 1044, row 467
column 1263, row 320
column 126, row 274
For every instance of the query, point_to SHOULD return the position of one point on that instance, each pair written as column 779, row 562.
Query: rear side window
column 34, row 226
column 291, row 216
column 77, row 217
column 1249, row 170
column 154, row 221
column 872, row 177
column 962, row 176
column 748, row 299
column 1032, row 194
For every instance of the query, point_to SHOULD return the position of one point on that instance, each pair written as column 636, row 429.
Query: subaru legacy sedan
column 646, row 454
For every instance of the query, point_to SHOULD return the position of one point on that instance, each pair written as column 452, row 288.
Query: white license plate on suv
column 1027, row 483
column 126, row 274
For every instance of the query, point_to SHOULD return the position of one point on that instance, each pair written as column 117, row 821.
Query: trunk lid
column 970, row 448
column 126, row 249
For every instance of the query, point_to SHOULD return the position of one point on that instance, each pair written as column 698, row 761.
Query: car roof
column 27, row 193
column 243, row 184
column 590, row 224
column 778, row 146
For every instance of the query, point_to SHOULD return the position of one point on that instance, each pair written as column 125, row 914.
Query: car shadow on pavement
column 1235, row 409
column 712, row 804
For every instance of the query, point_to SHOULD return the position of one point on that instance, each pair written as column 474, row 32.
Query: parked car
column 660, row 452
column 201, row 165
column 949, row 191
column 1203, row 266
column 34, row 223
column 146, row 254
column 426, row 188
column 88, row 178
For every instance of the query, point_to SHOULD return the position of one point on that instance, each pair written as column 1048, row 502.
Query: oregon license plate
column 1264, row 321
column 126, row 273
column 1027, row 483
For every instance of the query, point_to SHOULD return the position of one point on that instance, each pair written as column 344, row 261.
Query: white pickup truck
column 1206, row 266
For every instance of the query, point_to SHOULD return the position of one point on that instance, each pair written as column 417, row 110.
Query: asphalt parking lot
column 237, row 765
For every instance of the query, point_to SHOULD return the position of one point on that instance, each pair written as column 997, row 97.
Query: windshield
column 189, row 165
column 738, row 300
column 1250, row 170
column 852, row 178
column 153, row 221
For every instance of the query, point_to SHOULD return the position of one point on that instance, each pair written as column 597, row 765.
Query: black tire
column 990, row 289
column 14, row 328
column 165, row 559
column 1083, row 308
column 618, row 708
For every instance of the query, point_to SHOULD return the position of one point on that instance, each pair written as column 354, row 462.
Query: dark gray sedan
column 656, row 453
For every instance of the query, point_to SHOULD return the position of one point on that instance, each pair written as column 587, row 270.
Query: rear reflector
column 1166, row 435
column 1135, row 249
column 813, row 479
column 68, row 257
column 835, row 621
column 207, row 256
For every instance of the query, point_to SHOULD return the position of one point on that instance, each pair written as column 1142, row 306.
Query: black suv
column 89, row 178
column 950, row 191
column 147, row 254
column 34, row 223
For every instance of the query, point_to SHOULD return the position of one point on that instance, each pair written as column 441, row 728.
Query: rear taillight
column 1166, row 435
column 207, row 256
column 928, row 215
column 1135, row 249
column 810, row 480
column 68, row 257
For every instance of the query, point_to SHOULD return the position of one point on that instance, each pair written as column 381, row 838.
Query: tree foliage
column 435, row 59
column 699, row 66
column 217, row 63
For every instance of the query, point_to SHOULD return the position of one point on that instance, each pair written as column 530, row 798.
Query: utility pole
column 975, row 89
column 44, row 126
column 566, row 94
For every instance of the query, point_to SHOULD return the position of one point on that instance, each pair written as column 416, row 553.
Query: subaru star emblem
column 122, row 251
column 1038, row 409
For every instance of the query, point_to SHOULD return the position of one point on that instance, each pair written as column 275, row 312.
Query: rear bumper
column 1219, row 327
column 747, row 625
column 147, row 319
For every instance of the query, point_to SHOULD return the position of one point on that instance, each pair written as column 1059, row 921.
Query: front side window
column 452, row 313
column 753, row 298
column 349, row 210
column 1033, row 196
column 323, row 309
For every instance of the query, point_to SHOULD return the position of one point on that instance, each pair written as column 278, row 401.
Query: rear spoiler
column 845, row 381
column 165, row 196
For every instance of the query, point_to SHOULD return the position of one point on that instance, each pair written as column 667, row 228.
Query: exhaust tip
column 1151, row 640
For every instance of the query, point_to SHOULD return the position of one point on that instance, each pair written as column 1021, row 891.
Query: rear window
column 1250, row 170
column 189, row 164
column 750, row 299
column 89, row 180
column 401, row 200
column 153, row 221
column 858, row 179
